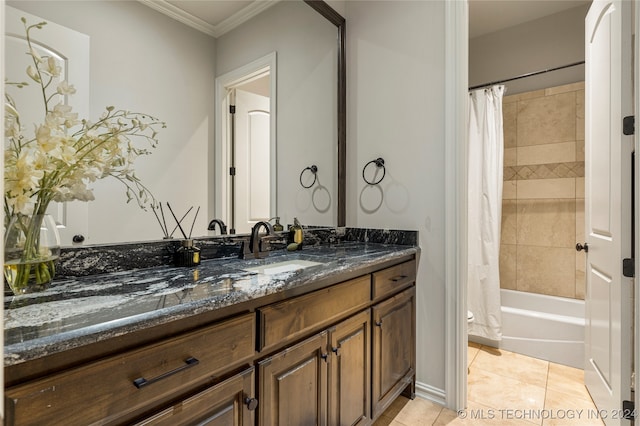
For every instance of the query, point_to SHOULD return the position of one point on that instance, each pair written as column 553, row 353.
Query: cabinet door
column 393, row 360
column 349, row 371
column 293, row 385
column 229, row 403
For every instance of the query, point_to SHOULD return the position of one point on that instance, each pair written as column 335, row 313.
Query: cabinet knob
column 379, row 323
column 251, row 403
column 324, row 356
column 78, row 238
column 335, row 350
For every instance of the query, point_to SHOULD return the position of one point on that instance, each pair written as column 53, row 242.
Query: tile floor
column 506, row 388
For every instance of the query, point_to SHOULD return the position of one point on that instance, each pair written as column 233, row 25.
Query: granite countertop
column 78, row 311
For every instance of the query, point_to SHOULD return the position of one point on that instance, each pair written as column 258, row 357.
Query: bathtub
column 545, row 327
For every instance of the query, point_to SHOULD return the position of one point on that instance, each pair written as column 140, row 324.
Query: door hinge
column 628, row 410
column 232, row 110
column 629, row 125
column 232, row 171
column 628, row 267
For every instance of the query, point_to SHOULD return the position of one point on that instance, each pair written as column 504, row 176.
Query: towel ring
column 379, row 162
column 313, row 169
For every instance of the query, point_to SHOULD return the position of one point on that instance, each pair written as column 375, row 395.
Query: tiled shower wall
column 543, row 195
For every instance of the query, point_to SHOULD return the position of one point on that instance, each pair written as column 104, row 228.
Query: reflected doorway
column 247, row 152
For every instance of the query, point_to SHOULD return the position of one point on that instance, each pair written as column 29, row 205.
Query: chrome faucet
column 258, row 246
column 221, row 225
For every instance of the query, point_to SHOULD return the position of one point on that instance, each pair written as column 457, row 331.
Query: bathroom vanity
column 322, row 336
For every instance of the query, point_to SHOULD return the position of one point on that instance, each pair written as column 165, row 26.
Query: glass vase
column 31, row 246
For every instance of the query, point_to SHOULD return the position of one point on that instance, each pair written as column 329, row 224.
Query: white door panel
column 253, row 164
column 608, row 204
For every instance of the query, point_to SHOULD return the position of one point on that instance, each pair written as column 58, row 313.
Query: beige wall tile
column 579, row 221
column 509, row 127
column 557, row 278
column 510, row 156
column 508, row 228
column 547, row 120
column 563, row 152
column 580, row 115
column 508, row 266
column 546, row 188
column 580, row 150
column 580, row 188
column 509, row 190
column 509, row 99
column 546, row 223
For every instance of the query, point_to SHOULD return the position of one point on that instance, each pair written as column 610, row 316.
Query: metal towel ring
column 314, row 170
column 379, row 162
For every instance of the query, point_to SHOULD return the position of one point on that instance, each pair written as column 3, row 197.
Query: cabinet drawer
column 104, row 392
column 393, row 279
column 229, row 403
column 292, row 319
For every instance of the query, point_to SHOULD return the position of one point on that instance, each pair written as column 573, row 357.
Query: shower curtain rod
column 531, row 74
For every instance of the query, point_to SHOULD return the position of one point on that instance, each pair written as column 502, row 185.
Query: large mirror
column 157, row 65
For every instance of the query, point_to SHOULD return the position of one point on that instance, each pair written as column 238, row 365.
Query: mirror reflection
column 157, row 65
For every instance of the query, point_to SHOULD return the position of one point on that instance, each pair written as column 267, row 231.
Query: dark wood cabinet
column 293, row 384
column 337, row 355
column 230, row 403
column 350, row 372
column 393, row 357
column 121, row 388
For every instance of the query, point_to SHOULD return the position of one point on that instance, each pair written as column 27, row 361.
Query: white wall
column 540, row 44
column 144, row 61
column 395, row 85
column 306, row 48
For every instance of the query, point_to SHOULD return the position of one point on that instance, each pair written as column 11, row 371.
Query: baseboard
column 430, row 393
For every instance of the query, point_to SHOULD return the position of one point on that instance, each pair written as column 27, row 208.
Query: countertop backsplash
column 100, row 259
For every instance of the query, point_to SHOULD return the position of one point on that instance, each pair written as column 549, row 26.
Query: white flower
column 53, row 69
column 65, row 88
column 33, row 73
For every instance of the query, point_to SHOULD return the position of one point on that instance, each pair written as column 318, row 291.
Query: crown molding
column 228, row 24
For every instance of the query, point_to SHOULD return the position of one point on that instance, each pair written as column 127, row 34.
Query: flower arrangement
column 62, row 157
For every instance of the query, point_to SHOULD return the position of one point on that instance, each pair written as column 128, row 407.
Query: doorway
column 246, row 145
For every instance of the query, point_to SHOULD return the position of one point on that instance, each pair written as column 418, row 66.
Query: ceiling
column 215, row 17
column 487, row 16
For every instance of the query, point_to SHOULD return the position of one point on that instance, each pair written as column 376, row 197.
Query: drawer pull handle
column 142, row 382
column 251, row 403
column 399, row 278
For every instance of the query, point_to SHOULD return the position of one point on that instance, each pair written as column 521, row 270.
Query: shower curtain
column 485, row 162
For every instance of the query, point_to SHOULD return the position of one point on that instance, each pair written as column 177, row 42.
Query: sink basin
column 280, row 267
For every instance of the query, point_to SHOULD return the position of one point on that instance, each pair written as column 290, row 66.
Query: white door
column 608, row 336
column 71, row 50
column 253, row 160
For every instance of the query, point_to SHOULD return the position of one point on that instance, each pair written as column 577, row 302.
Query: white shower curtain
column 485, row 162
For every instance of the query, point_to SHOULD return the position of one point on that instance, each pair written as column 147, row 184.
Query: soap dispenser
column 277, row 226
column 296, row 234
